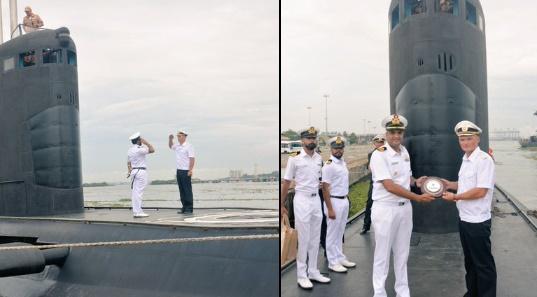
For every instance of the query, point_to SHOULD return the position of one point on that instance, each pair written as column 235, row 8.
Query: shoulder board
column 328, row 162
column 294, row 154
column 381, row 149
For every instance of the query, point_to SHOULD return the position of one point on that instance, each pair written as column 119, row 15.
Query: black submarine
column 51, row 245
column 437, row 78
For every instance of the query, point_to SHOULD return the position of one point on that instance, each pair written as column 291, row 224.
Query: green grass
column 358, row 196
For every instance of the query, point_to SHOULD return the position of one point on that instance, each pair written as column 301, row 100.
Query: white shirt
column 477, row 171
column 336, row 174
column 183, row 153
column 136, row 155
column 305, row 170
column 389, row 164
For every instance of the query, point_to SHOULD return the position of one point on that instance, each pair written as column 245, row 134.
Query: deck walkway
column 435, row 266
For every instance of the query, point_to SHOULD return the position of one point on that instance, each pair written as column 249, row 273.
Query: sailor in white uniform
column 391, row 214
column 137, row 171
column 475, row 187
column 304, row 168
column 335, row 178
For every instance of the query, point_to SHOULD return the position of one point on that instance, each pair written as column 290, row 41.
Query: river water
column 516, row 171
column 239, row 194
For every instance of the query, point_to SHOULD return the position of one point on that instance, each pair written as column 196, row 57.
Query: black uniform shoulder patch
column 381, row 149
column 294, row 154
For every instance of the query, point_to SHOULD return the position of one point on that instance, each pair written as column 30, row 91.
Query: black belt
column 338, row 197
column 139, row 168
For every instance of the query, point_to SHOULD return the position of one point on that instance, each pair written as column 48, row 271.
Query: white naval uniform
column 391, row 217
column 183, row 153
column 477, row 171
column 136, row 155
column 306, row 171
column 336, row 174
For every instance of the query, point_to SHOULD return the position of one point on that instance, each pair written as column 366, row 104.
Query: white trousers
column 308, row 218
column 392, row 225
column 335, row 230
column 138, row 185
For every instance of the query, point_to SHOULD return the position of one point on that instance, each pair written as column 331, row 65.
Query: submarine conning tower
column 40, row 165
column 438, row 77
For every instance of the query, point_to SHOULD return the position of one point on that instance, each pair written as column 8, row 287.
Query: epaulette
column 381, row 149
column 328, row 162
column 294, row 154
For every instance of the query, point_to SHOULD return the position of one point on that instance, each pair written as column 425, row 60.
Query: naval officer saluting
column 391, row 213
column 474, row 199
column 137, row 171
column 335, row 181
column 305, row 168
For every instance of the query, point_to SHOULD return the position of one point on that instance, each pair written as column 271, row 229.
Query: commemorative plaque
column 433, row 185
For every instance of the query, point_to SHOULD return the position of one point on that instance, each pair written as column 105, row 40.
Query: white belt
column 309, row 194
column 391, row 203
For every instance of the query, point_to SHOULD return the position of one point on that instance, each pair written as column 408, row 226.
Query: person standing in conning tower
column 137, row 169
column 31, row 21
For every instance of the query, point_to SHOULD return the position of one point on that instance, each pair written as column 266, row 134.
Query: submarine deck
column 436, row 261
column 223, row 268
column 202, row 217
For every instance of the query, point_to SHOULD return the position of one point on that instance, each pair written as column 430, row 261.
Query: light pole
column 326, row 114
column 309, row 115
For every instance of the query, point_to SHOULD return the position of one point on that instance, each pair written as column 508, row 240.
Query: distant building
column 235, row 174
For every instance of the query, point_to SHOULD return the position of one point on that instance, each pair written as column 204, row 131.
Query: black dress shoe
column 364, row 231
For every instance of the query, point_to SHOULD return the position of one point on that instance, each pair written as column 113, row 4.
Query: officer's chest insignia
column 328, row 162
column 395, row 163
column 294, row 154
column 381, row 149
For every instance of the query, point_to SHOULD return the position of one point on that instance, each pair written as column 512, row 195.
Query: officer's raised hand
column 170, row 137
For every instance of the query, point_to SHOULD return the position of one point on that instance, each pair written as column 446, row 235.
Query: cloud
column 157, row 66
column 341, row 49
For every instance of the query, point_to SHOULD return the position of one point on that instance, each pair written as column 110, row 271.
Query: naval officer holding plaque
column 391, row 213
column 474, row 200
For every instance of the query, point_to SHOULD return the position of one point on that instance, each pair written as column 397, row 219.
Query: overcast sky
column 340, row 48
column 156, row 66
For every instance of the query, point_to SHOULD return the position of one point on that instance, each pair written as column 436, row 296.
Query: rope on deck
column 141, row 242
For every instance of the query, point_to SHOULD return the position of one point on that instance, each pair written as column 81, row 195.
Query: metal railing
column 19, row 29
